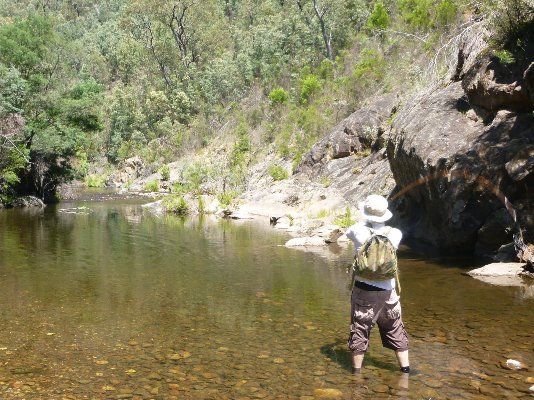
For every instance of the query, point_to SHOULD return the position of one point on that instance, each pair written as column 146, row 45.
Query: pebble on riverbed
column 512, row 364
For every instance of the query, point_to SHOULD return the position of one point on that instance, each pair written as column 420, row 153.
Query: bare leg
column 402, row 357
column 357, row 361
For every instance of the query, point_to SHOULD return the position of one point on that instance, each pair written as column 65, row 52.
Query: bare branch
column 401, row 33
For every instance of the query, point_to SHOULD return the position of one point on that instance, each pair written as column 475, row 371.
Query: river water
column 107, row 301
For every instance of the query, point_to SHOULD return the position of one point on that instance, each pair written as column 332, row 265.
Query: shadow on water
column 339, row 353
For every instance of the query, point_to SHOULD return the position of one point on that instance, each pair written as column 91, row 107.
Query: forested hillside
column 92, row 83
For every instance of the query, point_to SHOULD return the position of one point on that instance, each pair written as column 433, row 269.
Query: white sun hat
column 375, row 208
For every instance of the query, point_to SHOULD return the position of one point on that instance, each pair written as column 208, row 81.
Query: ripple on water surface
column 114, row 303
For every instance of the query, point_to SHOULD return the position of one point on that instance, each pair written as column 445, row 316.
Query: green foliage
column 277, row 172
column 96, row 180
column 165, row 172
column 195, row 175
column 176, row 205
column 323, row 213
column 227, row 197
column 25, row 44
column 278, row 96
column 13, row 159
column 326, row 69
column 504, row 56
column 309, row 86
column 416, row 13
column 13, row 90
column 344, row 220
column 512, row 21
column 81, row 106
column 152, row 186
column 379, row 18
column 240, row 151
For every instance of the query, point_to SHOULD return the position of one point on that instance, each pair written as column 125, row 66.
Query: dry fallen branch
column 407, row 34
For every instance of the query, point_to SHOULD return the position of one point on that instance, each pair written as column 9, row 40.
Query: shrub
column 152, row 186
column 325, row 181
column 370, row 67
column 323, row 213
column 227, row 197
column 416, row 13
column 363, row 153
column 277, row 172
column 278, row 96
column 344, row 220
column 165, row 173
column 309, row 85
column 195, row 175
column 96, row 180
column 241, row 148
column 446, row 12
column 379, row 18
column 176, row 205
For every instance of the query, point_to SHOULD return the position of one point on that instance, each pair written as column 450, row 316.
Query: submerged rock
column 512, row 364
column 328, row 393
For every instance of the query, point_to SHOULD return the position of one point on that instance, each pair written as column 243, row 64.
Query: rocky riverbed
column 136, row 306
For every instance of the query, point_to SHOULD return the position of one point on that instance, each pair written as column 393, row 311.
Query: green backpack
column 376, row 260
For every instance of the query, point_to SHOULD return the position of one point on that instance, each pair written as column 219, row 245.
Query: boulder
column 306, row 241
column 500, row 274
column 451, row 172
column 28, row 201
column 361, row 130
column 130, row 169
column 329, row 233
column 155, row 207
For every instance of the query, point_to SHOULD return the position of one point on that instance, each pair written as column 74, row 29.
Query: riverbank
column 455, row 165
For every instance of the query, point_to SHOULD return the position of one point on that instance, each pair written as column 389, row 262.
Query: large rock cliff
column 462, row 156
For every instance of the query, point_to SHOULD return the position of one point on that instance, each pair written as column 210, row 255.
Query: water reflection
column 113, row 302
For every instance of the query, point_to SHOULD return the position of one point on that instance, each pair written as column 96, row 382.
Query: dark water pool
column 107, row 302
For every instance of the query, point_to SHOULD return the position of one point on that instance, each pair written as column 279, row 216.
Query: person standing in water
column 376, row 301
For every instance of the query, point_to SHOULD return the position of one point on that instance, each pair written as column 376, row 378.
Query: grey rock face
column 351, row 158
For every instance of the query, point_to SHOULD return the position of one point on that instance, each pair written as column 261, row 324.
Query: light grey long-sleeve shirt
column 360, row 232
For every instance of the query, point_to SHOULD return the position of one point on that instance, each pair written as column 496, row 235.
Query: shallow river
column 110, row 302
